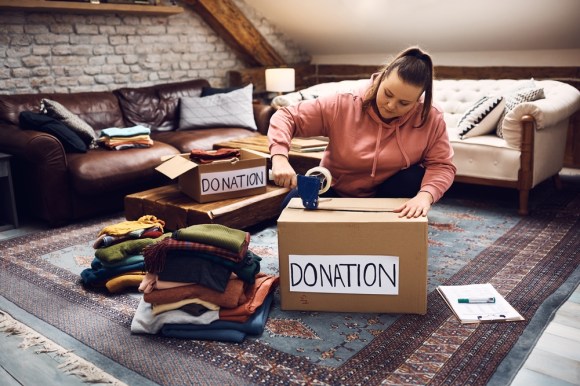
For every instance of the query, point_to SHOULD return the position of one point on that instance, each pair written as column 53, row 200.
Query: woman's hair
column 414, row 66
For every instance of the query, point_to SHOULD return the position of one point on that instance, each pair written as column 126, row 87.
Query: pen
column 476, row 300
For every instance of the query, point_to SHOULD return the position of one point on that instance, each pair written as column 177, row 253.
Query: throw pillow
column 206, row 91
column 520, row 96
column 57, row 111
column 232, row 109
column 482, row 117
column 69, row 139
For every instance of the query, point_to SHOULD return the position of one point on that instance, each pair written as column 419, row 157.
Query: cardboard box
column 352, row 255
column 219, row 180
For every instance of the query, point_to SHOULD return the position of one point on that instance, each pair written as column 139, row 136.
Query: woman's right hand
column 282, row 172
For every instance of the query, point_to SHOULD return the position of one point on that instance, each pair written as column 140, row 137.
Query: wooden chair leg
column 557, row 181
column 524, row 196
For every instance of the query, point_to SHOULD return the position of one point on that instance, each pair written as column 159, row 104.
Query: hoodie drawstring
column 378, row 144
column 398, row 136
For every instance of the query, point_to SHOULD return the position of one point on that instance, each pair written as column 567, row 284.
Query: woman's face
column 395, row 97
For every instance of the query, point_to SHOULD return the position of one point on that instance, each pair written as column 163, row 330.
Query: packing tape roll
column 317, row 171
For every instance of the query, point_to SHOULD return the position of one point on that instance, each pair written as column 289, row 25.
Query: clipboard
column 498, row 311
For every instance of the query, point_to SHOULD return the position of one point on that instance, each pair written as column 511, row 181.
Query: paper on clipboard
column 500, row 311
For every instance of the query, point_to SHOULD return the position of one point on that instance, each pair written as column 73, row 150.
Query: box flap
column 176, row 166
column 353, row 204
column 347, row 210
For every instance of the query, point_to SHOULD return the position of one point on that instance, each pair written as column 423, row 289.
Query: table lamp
column 280, row 80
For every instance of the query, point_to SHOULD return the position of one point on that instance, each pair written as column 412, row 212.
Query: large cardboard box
column 352, row 255
column 219, row 180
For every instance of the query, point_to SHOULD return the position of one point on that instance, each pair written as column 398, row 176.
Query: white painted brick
column 18, row 40
column 67, row 81
column 87, row 52
column 123, row 69
column 104, row 79
column 41, row 50
column 103, row 50
column 84, row 29
column 41, row 71
column 21, row 72
column 86, row 80
column 4, row 73
column 33, row 61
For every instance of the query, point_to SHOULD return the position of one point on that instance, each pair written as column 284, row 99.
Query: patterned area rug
column 472, row 239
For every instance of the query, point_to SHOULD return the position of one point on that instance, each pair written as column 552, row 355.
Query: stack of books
column 307, row 145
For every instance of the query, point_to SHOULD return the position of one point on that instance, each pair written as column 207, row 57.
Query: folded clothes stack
column 203, row 283
column 116, row 138
column 119, row 264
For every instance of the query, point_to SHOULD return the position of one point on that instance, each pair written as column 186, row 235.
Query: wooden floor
column 554, row 361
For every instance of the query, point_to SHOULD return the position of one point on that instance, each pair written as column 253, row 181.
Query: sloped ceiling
column 325, row 27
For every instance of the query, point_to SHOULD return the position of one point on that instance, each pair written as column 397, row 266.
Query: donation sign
column 352, row 274
column 233, row 180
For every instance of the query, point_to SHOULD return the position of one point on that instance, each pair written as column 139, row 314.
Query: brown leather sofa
column 59, row 187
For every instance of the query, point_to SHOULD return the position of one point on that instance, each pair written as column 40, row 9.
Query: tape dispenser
column 315, row 182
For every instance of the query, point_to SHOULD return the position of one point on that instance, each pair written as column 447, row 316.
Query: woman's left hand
column 416, row 206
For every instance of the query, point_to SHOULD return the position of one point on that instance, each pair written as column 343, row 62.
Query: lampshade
column 280, row 79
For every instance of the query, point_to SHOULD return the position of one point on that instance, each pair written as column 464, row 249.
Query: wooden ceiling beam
column 224, row 17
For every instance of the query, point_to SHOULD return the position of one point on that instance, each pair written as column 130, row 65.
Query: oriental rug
column 473, row 238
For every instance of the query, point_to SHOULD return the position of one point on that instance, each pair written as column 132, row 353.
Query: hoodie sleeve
column 438, row 161
column 305, row 119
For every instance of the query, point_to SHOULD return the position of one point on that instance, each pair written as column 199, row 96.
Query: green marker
column 476, row 300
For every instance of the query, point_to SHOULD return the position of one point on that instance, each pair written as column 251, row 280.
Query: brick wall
column 50, row 52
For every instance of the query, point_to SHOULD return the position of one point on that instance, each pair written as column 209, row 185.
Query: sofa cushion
column 231, row 109
column 156, row 106
column 187, row 140
column 484, row 156
column 74, row 122
column 103, row 171
column 512, row 100
column 482, row 117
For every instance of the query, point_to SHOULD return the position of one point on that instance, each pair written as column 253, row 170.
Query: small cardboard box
column 219, row 180
column 352, row 255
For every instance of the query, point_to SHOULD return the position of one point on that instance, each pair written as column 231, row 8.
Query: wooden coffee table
column 301, row 162
column 179, row 211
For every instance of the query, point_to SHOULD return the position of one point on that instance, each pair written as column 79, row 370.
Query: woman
column 384, row 139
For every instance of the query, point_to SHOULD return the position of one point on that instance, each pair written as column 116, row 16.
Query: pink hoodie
column 363, row 151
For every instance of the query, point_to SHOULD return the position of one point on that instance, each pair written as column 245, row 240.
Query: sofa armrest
column 33, row 146
column 262, row 115
column 40, row 172
column 560, row 102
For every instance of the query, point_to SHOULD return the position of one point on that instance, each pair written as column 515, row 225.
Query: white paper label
column 345, row 274
column 233, row 180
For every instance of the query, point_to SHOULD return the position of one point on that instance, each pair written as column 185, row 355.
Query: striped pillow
column 482, row 117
